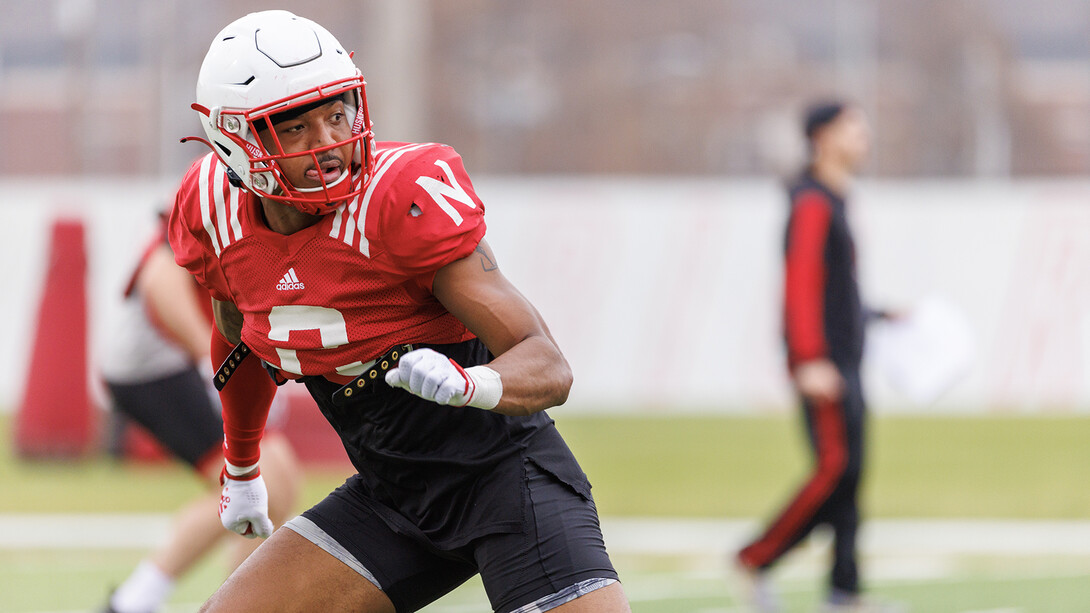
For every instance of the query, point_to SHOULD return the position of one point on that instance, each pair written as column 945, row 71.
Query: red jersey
column 330, row 297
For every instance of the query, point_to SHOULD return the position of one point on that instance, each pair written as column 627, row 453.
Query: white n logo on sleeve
column 440, row 191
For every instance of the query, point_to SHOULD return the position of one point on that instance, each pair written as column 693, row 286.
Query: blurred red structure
column 55, row 419
column 313, row 439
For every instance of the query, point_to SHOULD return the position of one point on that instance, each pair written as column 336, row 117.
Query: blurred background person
column 824, row 331
column 157, row 369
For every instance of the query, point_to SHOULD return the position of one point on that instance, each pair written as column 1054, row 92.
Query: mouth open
column 327, row 172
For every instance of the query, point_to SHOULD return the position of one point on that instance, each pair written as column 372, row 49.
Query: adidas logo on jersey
column 290, row 281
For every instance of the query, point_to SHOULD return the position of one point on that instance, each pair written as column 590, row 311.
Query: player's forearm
column 535, row 376
column 246, row 399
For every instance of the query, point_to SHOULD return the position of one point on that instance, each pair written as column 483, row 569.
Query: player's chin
column 309, row 184
column 303, row 184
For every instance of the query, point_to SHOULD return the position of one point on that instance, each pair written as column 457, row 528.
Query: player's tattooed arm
column 488, row 261
column 534, row 372
column 228, row 320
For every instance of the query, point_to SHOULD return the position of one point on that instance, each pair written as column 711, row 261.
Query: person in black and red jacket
column 824, row 331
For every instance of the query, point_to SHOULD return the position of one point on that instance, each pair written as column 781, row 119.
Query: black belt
column 378, row 368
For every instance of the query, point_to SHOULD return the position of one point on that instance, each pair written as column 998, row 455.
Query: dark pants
column 829, row 496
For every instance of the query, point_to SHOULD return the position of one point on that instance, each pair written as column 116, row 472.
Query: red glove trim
column 469, row 388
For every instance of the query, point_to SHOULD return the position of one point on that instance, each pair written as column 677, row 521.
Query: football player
column 360, row 269
column 156, row 368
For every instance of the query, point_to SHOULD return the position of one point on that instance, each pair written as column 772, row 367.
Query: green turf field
column 681, row 466
column 1017, row 467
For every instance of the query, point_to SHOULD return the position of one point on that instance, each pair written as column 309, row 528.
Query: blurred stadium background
column 630, row 153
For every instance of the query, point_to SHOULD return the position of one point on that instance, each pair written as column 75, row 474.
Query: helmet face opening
column 271, row 66
column 253, row 131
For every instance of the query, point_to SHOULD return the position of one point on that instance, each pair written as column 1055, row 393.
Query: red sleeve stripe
column 804, row 277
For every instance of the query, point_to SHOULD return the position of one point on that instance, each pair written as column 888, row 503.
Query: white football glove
column 435, row 377
column 244, row 505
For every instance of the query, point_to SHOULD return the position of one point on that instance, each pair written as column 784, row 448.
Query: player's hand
column 244, row 505
column 432, row 376
column 819, row 381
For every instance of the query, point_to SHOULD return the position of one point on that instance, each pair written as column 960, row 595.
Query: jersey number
column 329, row 323
column 285, row 319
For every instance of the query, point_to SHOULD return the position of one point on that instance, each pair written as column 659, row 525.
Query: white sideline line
column 663, row 536
column 83, row 531
column 903, row 537
column 182, row 607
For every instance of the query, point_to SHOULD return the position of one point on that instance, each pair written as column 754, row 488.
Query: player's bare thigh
column 609, row 599
column 288, row 573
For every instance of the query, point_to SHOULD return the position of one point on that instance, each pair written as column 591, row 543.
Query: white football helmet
column 267, row 63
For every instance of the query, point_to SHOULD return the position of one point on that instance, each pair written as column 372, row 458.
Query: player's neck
column 284, row 219
column 833, row 175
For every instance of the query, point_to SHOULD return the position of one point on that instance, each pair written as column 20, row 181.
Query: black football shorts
column 558, row 556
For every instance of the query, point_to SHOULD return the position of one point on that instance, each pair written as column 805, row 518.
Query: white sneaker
column 753, row 589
